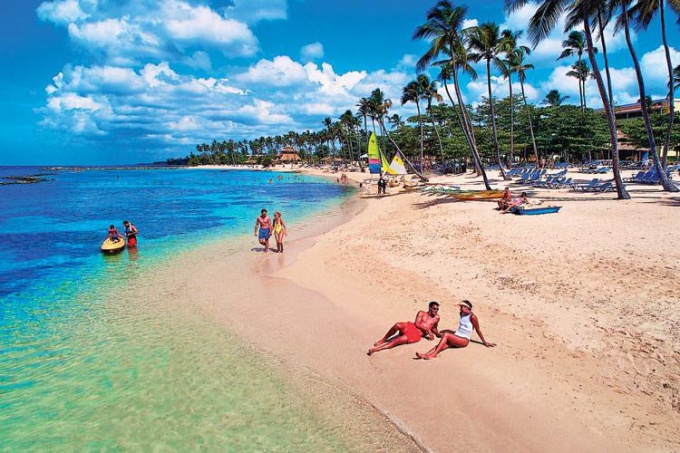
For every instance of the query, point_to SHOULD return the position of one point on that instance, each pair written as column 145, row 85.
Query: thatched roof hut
column 288, row 154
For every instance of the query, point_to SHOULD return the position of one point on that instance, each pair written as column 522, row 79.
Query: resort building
column 629, row 111
column 289, row 155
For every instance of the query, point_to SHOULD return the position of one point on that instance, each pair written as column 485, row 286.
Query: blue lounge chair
column 586, row 187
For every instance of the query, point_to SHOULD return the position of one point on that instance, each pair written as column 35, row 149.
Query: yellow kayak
column 108, row 246
column 480, row 195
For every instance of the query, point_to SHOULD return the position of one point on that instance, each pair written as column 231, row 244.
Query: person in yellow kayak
column 114, row 234
column 279, row 231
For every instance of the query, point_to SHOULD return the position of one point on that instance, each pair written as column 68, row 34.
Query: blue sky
column 118, row 81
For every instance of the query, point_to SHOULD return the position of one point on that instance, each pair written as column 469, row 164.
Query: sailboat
column 374, row 155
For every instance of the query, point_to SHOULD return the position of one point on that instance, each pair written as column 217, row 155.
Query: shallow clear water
column 83, row 369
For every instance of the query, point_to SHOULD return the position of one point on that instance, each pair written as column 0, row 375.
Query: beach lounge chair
column 586, row 187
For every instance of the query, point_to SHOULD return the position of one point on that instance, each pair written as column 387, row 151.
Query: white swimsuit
column 464, row 329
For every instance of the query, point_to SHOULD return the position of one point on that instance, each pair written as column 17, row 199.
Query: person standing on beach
column 280, row 231
column 382, row 185
column 425, row 325
column 263, row 229
column 130, row 233
column 461, row 337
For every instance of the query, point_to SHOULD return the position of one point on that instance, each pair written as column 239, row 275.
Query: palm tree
column 396, row 120
column 580, row 12
column 623, row 22
column 520, row 67
column 508, row 45
column 444, row 76
column 443, row 29
column 575, row 44
column 580, row 71
column 380, row 106
column 554, row 98
column 412, row 93
column 643, row 13
column 429, row 92
column 674, row 83
column 483, row 41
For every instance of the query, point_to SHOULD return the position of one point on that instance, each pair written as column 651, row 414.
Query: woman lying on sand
column 461, row 337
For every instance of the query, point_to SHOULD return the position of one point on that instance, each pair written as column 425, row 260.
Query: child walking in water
column 279, row 231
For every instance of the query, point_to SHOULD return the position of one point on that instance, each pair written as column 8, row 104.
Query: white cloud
column 280, row 72
column 469, row 23
column 61, row 12
column 202, row 25
column 329, row 82
column 311, row 51
column 252, row 11
column 263, row 112
column 655, row 70
column 160, row 30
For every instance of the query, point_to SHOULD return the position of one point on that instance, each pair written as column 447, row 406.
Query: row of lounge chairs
column 595, row 185
column 649, row 177
column 596, row 171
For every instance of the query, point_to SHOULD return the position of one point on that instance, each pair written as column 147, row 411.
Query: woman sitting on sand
column 507, row 198
column 461, row 337
column 516, row 202
column 279, row 231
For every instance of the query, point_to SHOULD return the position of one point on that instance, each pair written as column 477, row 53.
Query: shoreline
column 578, row 366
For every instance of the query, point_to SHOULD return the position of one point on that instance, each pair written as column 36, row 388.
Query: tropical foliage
column 502, row 131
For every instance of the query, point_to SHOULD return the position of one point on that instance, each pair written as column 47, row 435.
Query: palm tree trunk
column 512, row 124
column 439, row 139
column 605, row 57
column 609, row 113
column 580, row 87
column 531, row 126
column 464, row 127
column 583, row 82
column 668, row 186
column 420, row 123
column 358, row 132
column 436, row 130
column 493, row 122
column 671, row 94
column 468, row 124
column 384, row 130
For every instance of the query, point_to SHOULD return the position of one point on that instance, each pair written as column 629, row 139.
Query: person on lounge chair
column 425, row 325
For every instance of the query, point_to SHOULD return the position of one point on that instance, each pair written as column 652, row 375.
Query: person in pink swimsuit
column 425, row 325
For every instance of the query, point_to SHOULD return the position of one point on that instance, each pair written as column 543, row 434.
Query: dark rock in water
column 30, row 179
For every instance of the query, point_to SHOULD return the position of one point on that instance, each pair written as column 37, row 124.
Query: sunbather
column 425, row 325
column 516, row 202
column 461, row 337
column 507, row 197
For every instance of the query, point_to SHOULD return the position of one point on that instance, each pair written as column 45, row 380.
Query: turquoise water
column 83, row 369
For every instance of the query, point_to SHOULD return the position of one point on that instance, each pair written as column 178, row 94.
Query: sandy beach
column 582, row 304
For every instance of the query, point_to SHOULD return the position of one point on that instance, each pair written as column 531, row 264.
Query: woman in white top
column 461, row 337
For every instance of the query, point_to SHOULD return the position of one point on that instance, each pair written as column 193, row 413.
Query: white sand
column 583, row 305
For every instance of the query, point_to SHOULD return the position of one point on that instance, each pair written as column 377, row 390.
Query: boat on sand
column 477, row 195
column 520, row 210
